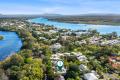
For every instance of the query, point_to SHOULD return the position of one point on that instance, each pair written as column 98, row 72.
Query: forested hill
column 109, row 19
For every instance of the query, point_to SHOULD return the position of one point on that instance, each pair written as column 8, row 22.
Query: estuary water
column 103, row 29
column 10, row 44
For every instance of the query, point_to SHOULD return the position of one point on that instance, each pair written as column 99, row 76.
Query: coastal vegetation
column 88, row 19
column 41, row 42
column 1, row 37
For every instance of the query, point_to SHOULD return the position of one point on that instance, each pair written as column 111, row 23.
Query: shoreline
column 103, row 29
column 17, row 50
column 80, row 22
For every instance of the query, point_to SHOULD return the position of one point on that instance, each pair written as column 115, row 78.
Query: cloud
column 59, row 6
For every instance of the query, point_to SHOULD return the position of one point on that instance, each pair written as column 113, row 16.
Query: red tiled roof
column 114, row 61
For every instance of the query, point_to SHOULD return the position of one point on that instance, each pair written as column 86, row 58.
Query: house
column 60, row 54
column 42, row 38
column 37, row 25
column 114, row 61
column 95, row 73
column 64, row 38
column 95, row 40
column 56, row 46
column 81, row 42
column 107, row 76
column 82, row 58
column 80, row 33
column 67, row 54
column 55, row 57
column 111, row 42
column 68, row 33
column 82, row 67
column 90, row 76
column 38, row 32
column 59, row 78
column 77, row 54
column 53, row 31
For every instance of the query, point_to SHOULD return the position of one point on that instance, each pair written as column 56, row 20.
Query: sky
column 67, row 7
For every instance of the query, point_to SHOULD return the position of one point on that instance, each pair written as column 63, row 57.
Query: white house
column 80, row 33
column 82, row 58
column 60, row 78
column 56, row 46
column 90, row 76
column 53, row 31
column 111, row 42
column 82, row 67
column 81, row 42
column 55, row 57
column 95, row 40
column 67, row 54
column 77, row 54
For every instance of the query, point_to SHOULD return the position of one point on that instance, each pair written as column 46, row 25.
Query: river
column 10, row 44
column 103, row 29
